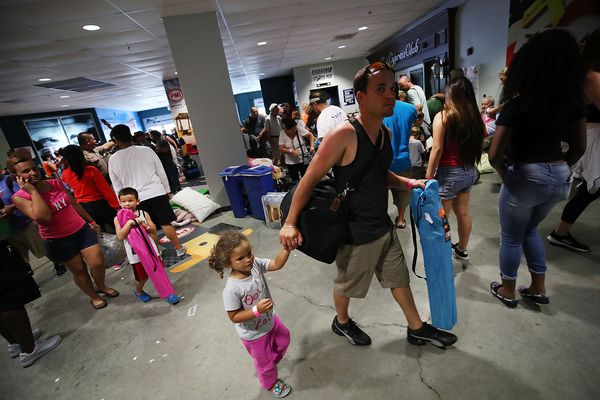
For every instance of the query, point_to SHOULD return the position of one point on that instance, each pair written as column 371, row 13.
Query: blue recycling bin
column 258, row 181
column 234, row 186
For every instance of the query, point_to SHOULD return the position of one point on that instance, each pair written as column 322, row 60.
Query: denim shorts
column 455, row 180
column 64, row 249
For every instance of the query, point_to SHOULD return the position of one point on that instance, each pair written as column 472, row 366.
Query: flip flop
column 536, row 298
column 510, row 303
column 100, row 305
column 111, row 293
column 401, row 226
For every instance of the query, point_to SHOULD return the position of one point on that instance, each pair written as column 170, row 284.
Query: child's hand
column 264, row 305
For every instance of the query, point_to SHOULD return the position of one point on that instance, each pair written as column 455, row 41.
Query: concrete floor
column 131, row 350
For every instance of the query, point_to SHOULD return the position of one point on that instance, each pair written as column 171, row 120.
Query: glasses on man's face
column 378, row 66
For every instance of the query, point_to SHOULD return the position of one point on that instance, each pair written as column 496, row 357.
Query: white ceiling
column 44, row 38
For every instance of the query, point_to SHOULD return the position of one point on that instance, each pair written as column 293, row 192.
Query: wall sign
column 410, row 50
column 322, row 75
column 349, row 97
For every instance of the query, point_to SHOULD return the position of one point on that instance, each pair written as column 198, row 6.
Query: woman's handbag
column 323, row 222
column 307, row 156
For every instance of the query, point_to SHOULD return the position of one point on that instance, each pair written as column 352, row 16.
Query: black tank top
column 367, row 205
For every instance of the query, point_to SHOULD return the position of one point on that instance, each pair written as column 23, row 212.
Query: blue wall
column 155, row 112
column 115, row 117
column 244, row 101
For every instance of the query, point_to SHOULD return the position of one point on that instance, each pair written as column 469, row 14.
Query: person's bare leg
column 538, row 284
column 16, row 328
column 81, row 277
column 95, row 260
column 341, row 303
column 460, row 205
column 563, row 228
column 172, row 235
column 405, row 300
column 139, row 285
column 508, row 288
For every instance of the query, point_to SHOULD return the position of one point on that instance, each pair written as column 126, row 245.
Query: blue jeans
column 529, row 192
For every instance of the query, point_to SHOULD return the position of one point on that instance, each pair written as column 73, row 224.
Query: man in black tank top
column 374, row 248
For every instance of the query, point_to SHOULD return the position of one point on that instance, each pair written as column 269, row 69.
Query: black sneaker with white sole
column 431, row 334
column 567, row 241
column 351, row 331
column 460, row 254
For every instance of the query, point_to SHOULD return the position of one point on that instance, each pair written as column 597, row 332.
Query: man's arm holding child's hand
column 279, row 261
column 242, row 315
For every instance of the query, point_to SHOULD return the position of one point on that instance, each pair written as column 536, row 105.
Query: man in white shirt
column 140, row 168
column 329, row 116
column 272, row 130
column 416, row 96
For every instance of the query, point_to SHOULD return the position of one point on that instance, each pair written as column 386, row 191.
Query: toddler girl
column 248, row 303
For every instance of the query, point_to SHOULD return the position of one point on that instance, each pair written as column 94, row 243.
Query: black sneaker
column 353, row 333
column 59, row 269
column 460, row 254
column 567, row 241
column 431, row 334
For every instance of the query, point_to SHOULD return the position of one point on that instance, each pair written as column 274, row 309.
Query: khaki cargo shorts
column 356, row 265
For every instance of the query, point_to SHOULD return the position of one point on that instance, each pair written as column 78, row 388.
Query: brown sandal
column 111, row 293
column 99, row 305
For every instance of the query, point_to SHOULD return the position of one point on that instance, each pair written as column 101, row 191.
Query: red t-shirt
column 65, row 220
column 449, row 154
column 91, row 187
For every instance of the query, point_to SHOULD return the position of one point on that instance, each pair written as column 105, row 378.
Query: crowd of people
column 60, row 211
column 393, row 144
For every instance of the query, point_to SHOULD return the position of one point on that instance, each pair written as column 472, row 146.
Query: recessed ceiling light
column 66, row 105
column 327, row 58
column 175, row 72
column 342, row 46
column 362, row 28
column 64, row 96
column 90, row 27
column 261, row 74
column 261, row 43
column 138, row 95
column 44, row 79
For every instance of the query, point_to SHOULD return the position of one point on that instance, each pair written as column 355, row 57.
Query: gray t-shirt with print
column 245, row 293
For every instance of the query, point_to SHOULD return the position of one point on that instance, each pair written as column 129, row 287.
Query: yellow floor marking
column 199, row 249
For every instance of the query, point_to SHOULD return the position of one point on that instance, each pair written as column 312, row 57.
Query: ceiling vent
column 76, row 85
column 346, row 36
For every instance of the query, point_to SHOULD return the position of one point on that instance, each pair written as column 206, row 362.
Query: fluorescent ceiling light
column 342, row 46
column 66, row 105
column 64, row 96
column 261, row 43
column 44, row 79
column 362, row 28
column 90, row 27
column 261, row 74
column 327, row 58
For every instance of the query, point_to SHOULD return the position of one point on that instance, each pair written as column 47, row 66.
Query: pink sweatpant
column 267, row 351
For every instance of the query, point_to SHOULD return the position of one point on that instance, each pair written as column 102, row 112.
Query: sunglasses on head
column 378, row 66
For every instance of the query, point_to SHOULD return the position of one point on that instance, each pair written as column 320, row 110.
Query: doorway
column 332, row 91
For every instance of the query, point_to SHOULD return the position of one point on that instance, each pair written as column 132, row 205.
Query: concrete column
column 197, row 50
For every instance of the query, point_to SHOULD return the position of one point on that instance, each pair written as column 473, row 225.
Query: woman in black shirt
column 531, row 127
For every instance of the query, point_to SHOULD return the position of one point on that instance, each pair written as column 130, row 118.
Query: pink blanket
column 140, row 242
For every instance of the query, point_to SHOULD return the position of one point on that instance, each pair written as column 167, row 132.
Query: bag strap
column 300, row 141
column 359, row 176
column 144, row 237
column 415, row 245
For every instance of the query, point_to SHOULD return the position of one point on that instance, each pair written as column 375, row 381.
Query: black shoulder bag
column 322, row 222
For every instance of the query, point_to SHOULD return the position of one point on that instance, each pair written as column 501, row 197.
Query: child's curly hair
column 219, row 255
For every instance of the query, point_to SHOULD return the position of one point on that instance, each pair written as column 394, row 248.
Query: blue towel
column 434, row 232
